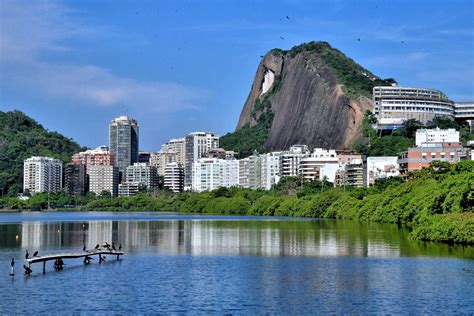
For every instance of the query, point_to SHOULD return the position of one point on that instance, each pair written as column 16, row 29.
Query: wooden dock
column 84, row 254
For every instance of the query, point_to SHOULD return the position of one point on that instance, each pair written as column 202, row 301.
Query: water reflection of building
column 203, row 237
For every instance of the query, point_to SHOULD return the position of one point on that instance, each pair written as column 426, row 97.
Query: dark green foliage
column 21, row 137
column 385, row 145
column 356, row 80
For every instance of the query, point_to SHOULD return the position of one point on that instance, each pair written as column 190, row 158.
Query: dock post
column 44, row 266
column 100, row 258
column 118, row 257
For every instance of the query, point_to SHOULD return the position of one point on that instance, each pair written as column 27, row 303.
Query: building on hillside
column 320, row 164
column 464, row 111
column 176, row 145
column 123, row 142
column 417, row 158
column 381, row 167
column 126, row 189
column 143, row 174
column 100, row 156
column 436, row 135
column 42, row 174
column 196, row 146
column 103, row 178
column 75, row 179
column 290, row 160
column 270, row 169
column 395, row 104
column 174, row 177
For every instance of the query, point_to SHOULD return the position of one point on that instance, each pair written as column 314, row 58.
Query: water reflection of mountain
column 261, row 238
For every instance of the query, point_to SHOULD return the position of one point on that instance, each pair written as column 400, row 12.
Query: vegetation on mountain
column 22, row 137
column 436, row 202
column 356, row 80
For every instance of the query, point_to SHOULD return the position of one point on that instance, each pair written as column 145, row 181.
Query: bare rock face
column 309, row 104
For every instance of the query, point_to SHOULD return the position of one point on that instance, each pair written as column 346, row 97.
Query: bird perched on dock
column 35, row 254
column 27, row 269
column 120, row 247
column 84, row 248
column 113, row 246
column 27, row 254
column 97, row 246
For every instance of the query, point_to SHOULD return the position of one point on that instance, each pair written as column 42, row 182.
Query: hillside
column 22, row 137
column 311, row 94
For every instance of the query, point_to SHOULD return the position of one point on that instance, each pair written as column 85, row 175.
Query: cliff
column 312, row 94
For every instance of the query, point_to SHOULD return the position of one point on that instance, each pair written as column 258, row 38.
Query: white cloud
column 29, row 30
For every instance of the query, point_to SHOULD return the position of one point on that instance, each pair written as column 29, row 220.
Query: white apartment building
column 321, row 164
column 143, row 174
column 206, row 175
column 270, row 169
column 436, row 135
column 174, row 177
column 211, row 173
column 103, row 178
column 196, row 146
column 42, row 174
column 381, row 167
column 290, row 160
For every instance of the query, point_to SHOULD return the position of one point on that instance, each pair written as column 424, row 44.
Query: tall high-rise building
column 75, row 179
column 42, row 174
column 123, row 142
column 103, row 178
column 196, row 146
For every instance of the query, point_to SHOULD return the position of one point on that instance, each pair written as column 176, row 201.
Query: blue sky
column 183, row 66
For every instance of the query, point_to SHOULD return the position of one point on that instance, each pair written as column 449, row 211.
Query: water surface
column 211, row 264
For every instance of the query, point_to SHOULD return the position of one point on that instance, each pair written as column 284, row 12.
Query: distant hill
column 22, row 137
column 312, row 94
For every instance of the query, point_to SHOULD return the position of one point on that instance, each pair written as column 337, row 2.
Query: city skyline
column 175, row 68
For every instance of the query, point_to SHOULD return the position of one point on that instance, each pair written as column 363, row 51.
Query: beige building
column 103, row 178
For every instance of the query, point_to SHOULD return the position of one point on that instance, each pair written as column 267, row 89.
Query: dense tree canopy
column 22, row 137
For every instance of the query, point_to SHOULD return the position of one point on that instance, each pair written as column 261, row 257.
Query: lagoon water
column 240, row 265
